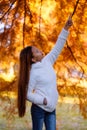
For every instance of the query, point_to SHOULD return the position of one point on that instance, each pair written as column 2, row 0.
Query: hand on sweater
column 68, row 23
column 45, row 101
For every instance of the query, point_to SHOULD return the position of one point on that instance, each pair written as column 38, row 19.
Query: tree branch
column 7, row 10
column 75, row 58
column 75, row 8
column 24, row 23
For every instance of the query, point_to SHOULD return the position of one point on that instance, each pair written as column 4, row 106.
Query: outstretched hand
column 68, row 23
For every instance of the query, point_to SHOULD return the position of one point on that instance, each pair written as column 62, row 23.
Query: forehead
column 34, row 48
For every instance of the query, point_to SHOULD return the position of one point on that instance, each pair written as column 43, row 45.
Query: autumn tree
column 38, row 22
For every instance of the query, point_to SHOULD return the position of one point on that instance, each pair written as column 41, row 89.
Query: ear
column 33, row 60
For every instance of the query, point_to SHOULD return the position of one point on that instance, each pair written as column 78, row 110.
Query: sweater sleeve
column 54, row 53
column 32, row 96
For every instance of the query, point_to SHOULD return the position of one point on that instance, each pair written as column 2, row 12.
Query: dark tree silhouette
column 29, row 22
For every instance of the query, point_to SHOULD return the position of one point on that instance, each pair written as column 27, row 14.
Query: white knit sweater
column 42, row 81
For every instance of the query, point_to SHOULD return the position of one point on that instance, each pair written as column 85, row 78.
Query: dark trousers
column 40, row 116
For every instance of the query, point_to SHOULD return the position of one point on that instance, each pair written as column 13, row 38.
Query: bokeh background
column 38, row 23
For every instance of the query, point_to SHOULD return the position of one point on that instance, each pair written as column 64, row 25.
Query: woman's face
column 37, row 54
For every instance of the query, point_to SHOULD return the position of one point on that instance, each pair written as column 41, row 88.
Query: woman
column 37, row 82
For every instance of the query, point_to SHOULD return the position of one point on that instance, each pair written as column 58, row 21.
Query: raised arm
column 54, row 53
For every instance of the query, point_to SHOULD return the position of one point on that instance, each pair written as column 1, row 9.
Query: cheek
column 39, row 56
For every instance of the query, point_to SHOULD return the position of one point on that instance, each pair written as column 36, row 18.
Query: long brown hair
column 25, row 65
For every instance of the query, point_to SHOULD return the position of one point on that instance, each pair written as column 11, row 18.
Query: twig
column 75, row 7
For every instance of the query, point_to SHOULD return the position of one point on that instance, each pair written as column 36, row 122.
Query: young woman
column 37, row 82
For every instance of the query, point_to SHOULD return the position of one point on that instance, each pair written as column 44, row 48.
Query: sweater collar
column 37, row 65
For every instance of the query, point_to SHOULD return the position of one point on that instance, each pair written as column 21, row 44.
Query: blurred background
column 38, row 23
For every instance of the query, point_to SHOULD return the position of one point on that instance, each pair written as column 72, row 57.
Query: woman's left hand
column 45, row 101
